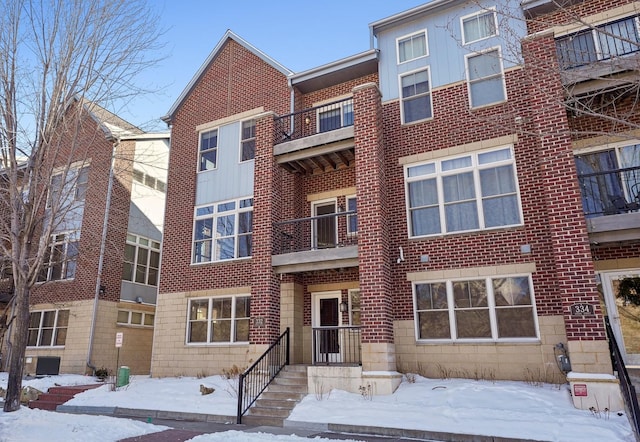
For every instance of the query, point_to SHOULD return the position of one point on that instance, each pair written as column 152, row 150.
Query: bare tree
column 56, row 56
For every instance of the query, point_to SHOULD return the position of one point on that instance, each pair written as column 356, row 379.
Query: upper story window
column 208, row 152
column 219, row 320
column 479, row 26
column 610, row 180
column 129, row 317
column 352, row 219
column 149, row 181
column 141, row 260
column 496, row 308
column 248, row 140
column 415, row 88
column 223, row 231
column 61, row 257
column 76, row 184
column 599, row 43
column 48, row 328
column 412, row 46
column 464, row 193
column 485, row 78
column 335, row 115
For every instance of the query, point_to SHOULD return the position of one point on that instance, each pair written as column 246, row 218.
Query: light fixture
column 102, row 290
column 307, row 120
column 139, row 299
column 344, row 307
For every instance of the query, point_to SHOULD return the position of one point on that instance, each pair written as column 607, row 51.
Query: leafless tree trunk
column 54, row 54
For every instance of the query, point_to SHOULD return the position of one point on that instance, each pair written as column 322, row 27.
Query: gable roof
column 112, row 125
column 229, row 35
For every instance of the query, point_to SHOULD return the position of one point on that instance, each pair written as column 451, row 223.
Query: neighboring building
column 415, row 207
column 102, row 266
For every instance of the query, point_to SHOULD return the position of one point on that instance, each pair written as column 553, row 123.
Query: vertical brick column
column 575, row 274
column 378, row 349
column 265, row 286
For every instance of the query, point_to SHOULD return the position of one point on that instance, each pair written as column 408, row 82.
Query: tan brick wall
column 518, row 361
column 173, row 357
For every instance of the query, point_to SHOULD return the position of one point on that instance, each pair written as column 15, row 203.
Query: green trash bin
column 123, row 376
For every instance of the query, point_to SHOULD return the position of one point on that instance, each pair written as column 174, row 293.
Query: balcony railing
column 337, row 346
column 611, row 192
column 316, row 232
column 314, row 120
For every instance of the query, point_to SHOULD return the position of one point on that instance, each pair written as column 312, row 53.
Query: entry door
column 623, row 315
column 324, row 231
column 326, row 320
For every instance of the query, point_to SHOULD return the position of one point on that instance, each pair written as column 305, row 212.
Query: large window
column 60, row 191
column 141, row 260
column 208, row 152
column 129, row 317
column 412, row 46
column 223, row 231
column 485, row 78
column 610, row 180
column 219, row 320
column 48, row 328
column 248, row 140
column 464, row 193
column 479, row 26
column 496, row 308
column 599, row 43
column 416, row 96
column 61, row 257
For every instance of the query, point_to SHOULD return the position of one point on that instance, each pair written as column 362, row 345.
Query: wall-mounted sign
column 580, row 389
column 582, row 310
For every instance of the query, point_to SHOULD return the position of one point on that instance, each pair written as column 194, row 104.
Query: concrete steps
column 276, row 403
column 58, row 395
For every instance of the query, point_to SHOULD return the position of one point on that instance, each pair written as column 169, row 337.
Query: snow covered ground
column 500, row 408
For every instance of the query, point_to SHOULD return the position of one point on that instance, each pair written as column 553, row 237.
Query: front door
column 624, row 315
column 324, row 228
column 327, row 319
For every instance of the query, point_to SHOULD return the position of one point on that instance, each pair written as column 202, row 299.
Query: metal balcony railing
column 314, row 120
column 611, row 192
column 337, row 346
column 316, row 232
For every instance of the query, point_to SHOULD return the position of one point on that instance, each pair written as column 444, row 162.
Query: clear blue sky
column 299, row 35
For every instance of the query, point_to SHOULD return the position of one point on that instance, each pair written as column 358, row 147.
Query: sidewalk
column 188, row 425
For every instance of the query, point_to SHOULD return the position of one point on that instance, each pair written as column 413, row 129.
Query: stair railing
column 257, row 378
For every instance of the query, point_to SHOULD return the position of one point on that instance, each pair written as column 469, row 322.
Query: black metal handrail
column 628, row 390
column 316, row 232
column 337, row 345
column 257, row 378
column 610, row 192
column 313, row 120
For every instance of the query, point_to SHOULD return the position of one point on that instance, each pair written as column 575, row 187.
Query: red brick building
column 423, row 206
column 105, row 196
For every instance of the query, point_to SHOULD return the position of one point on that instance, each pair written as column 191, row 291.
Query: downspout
column 103, row 242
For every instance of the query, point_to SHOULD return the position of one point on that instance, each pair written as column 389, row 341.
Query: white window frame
column 214, row 212
column 402, row 98
column 436, row 172
column 151, row 246
column 343, row 106
column 410, row 38
column 347, row 200
column 500, row 75
column 147, row 180
column 247, row 140
column 476, row 15
column 491, row 307
column 76, row 184
column 68, row 237
column 209, row 319
column 211, row 149
column 56, row 328
column 143, row 318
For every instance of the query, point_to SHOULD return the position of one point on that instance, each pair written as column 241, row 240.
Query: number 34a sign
column 582, row 310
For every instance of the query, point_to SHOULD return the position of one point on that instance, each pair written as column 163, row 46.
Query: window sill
column 485, row 106
column 484, row 342
column 413, row 123
column 466, row 232
column 216, row 344
column 226, row 261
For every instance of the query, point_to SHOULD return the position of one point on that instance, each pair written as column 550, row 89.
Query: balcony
column 316, row 243
column 316, row 140
column 337, row 346
column 611, row 204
